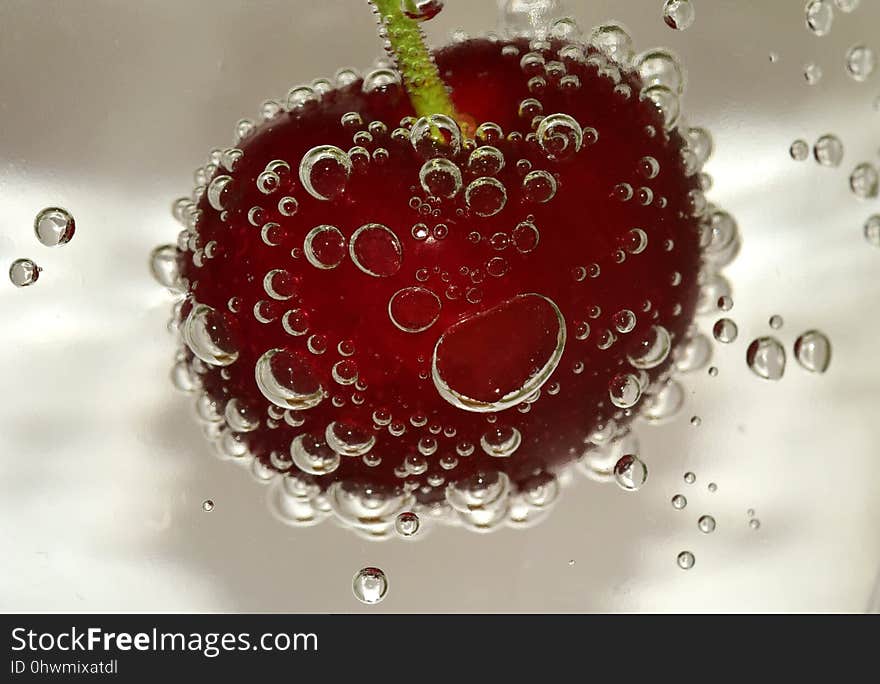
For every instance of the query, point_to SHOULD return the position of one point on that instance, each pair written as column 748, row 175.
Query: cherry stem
column 405, row 43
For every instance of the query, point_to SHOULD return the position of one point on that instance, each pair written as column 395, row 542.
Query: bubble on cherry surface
column 560, row 136
column 163, row 266
column 288, row 380
column 812, row 350
column 207, row 505
column 370, row 585
column 828, row 150
column 218, row 192
column 440, row 177
column 54, row 226
column 485, row 196
column 614, row 42
column 436, row 135
column 664, row 403
column 861, row 62
column 313, row 456
column 414, row 309
column 207, row 333
column 652, row 349
column 324, row 171
column 407, row 524
column 348, row 440
column 766, row 358
column 661, row 68
column 706, row 524
column 486, row 160
column 241, row 416
column 679, row 502
column 678, row 14
column 667, row 103
column 469, row 373
column 812, row 73
column 501, row 441
column 819, row 16
column 539, row 186
column 526, row 237
column 871, row 230
column 324, row 247
column 864, row 181
column 725, row 330
column 799, row 150
column 421, row 10
column 624, row 390
column 376, row 250
column 630, row 472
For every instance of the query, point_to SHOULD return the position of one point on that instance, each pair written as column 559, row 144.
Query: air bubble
column 467, row 369
column 861, row 61
column 685, row 560
column 485, row 196
column 218, row 192
column 661, row 68
column 163, row 266
column 560, row 136
column 501, row 441
column 812, row 73
column 652, row 349
column 667, row 103
column 526, row 237
column 624, row 321
column 679, row 502
column 206, row 332
column 828, row 150
column 766, row 358
column 436, row 135
column 630, row 473
column 324, row 171
column 776, row 321
column 348, row 440
column 324, row 247
column 381, row 81
column 799, row 150
column 288, row 380
column 376, row 250
column 813, row 351
column 624, row 390
column 819, row 15
column 614, row 42
column 24, row 272
column 706, row 524
column 725, row 330
column 872, row 230
column 539, row 187
column 370, row 585
column 440, row 177
column 486, row 160
column 690, row 478
column 313, row 456
column 54, row 226
column 407, row 524
column 678, row 14
column 414, row 309
column 864, row 181
column 207, row 505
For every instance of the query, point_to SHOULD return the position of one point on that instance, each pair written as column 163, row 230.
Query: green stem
column 421, row 78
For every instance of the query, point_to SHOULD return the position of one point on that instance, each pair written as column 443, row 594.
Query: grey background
column 106, row 106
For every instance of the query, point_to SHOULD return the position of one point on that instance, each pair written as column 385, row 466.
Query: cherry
column 399, row 303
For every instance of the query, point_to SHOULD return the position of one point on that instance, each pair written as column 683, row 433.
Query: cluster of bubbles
column 53, row 226
column 860, row 60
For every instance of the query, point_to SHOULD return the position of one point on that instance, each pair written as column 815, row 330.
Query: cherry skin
column 535, row 299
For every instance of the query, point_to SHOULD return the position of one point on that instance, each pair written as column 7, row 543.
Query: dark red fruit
column 614, row 252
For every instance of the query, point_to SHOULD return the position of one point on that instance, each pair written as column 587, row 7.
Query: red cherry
column 382, row 302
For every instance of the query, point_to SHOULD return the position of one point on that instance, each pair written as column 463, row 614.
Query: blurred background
column 106, row 108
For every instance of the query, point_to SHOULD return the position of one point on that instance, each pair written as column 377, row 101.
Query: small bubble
column 828, row 150
column 773, row 57
column 324, row 171
column 539, row 186
column 324, row 247
column 799, row 150
column 776, row 321
column 485, row 196
column 872, row 230
column 725, row 330
column 370, row 585
column 376, row 250
column 624, row 390
column 679, row 502
column 207, row 505
column 755, row 524
column 678, row 14
column 686, row 560
column 54, row 226
column 812, row 73
column 819, row 15
column 690, row 478
column 436, row 136
column 713, row 372
column 864, row 181
column 207, row 333
column 706, row 523
column 414, row 309
column 696, row 421
column 725, row 303
column 163, row 266
column 440, row 177
column 766, row 358
column 560, row 136
column 861, row 61
column 421, row 10
column 407, row 524
column 630, row 472
column 813, row 351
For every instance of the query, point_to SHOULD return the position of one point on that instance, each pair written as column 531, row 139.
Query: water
column 73, row 273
